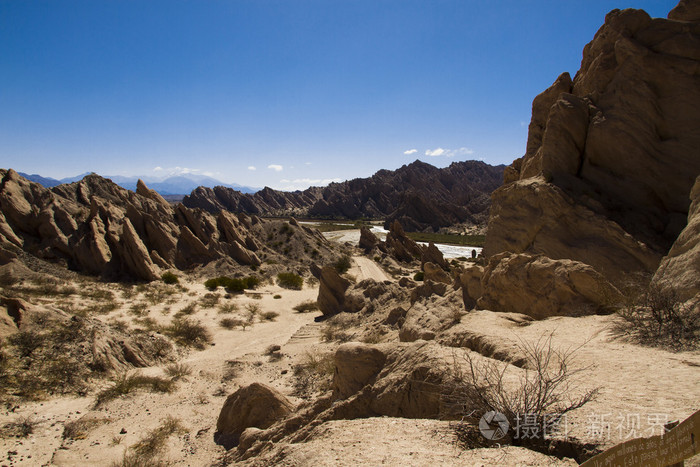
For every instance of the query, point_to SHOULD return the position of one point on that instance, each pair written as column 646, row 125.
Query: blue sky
column 283, row 93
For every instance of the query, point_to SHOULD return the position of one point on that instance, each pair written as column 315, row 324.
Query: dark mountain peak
column 456, row 194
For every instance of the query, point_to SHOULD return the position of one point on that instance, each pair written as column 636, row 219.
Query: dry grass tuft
column 128, row 383
column 313, row 374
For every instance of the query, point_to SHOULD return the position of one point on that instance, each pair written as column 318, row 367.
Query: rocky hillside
column 97, row 227
column 419, row 195
column 612, row 154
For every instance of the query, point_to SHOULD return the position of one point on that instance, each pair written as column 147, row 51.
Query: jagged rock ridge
column 419, row 195
column 97, row 227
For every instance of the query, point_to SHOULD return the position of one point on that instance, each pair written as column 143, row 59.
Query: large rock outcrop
column 419, row 195
column 612, row 154
column 541, row 287
column 680, row 269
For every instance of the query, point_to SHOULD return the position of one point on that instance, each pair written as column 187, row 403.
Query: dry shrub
column 269, row 315
column 210, row 300
column 20, row 428
column 230, row 323
column 545, row 392
column 79, row 429
column 307, row 306
column 128, row 383
column 154, row 442
column 178, row 371
column 189, row 309
column 335, row 328
column 658, row 317
column 146, row 452
column 189, row 333
column 226, row 308
column 313, row 374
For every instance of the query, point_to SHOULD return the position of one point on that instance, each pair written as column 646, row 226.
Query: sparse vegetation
column 314, row 374
column 277, row 296
column 334, row 329
column 145, row 453
column 342, row 264
column 79, row 429
column 226, row 308
column 657, row 317
column 230, row 323
column 545, row 392
column 269, row 315
column 289, row 280
column 306, row 307
column 210, row 300
column 419, row 276
column 188, row 309
column 233, row 285
column 189, row 333
column 154, row 442
column 169, row 278
column 178, row 371
column 127, row 383
column 20, row 428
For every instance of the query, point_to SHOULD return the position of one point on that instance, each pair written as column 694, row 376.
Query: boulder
column 435, row 273
column 431, row 254
column 331, row 291
column 470, row 279
column 368, row 241
column 680, row 269
column 356, row 365
column 535, row 217
column 427, row 289
column 255, row 405
column 541, row 287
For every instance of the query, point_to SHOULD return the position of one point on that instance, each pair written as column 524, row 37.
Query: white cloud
column 435, row 152
column 252, row 167
column 304, row 183
column 307, row 163
column 172, row 171
column 448, row 152
column 275, row 167
column 410, row 151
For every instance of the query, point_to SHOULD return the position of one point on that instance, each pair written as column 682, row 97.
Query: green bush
column 233, row 284
column 306, row 307
column 419, row 276
column 169, row 278
column 289, row 280
column 342, row 265
column 189, row 333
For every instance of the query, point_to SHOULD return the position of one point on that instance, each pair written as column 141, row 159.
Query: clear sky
column 283, row 93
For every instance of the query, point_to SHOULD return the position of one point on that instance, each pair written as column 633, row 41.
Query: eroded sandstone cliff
column 612, row 154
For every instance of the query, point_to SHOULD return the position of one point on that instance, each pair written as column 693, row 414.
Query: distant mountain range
column 419, row 195
column 175, row 185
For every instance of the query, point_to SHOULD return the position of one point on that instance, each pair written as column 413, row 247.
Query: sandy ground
column 235, row 358
column 640, row 388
